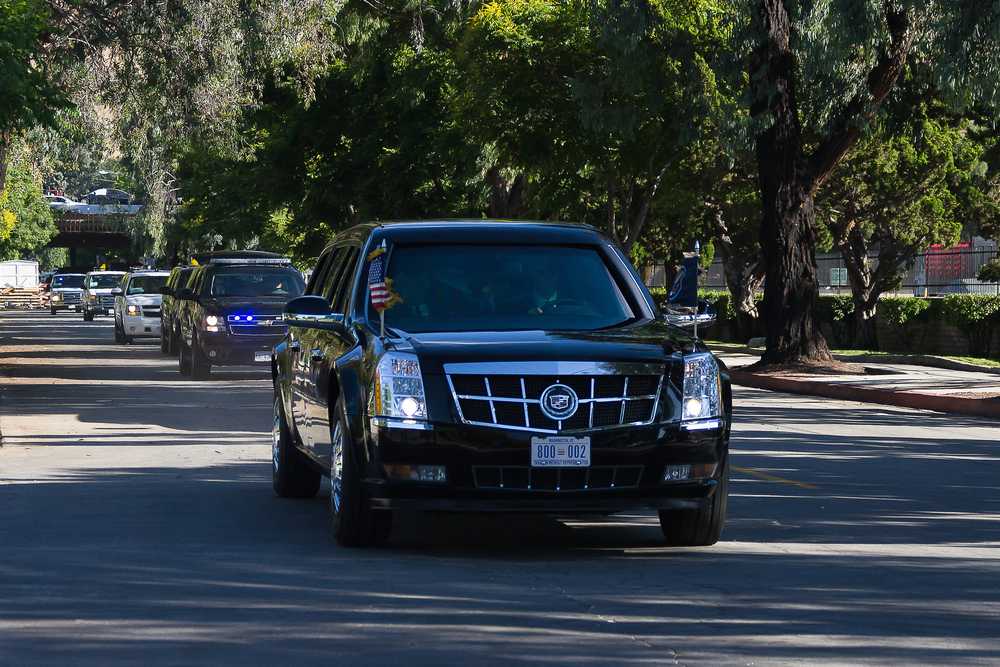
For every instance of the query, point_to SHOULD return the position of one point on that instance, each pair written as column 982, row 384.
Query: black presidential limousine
column 494, row 366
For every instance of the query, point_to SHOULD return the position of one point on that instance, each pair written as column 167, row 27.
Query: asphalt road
column 138, row 527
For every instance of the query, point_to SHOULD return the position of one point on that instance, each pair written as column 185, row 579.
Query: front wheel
column 353, row 520
column 88, row 316
column 201, row 368
column 291, row 477
column 164, row 339
column 699, row 528
column 53, row 311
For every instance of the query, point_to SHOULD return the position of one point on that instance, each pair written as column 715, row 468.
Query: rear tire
column 353, row 520
column 183, row 364
column 291, row 476
column 698, row 528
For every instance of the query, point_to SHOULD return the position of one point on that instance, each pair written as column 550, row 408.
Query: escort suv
column 66, row 292
column 97, row 296
column 137, row 305
column 489, row 366
column 230, row 313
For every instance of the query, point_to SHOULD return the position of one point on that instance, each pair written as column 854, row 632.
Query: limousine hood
column 641, row 343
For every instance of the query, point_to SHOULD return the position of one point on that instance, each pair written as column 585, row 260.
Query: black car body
column 230, row 314
column 106, row 196
column 169, row 331
column 481, row 397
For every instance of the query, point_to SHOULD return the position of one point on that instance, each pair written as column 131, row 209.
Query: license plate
column 560, row 452
column 262, row 356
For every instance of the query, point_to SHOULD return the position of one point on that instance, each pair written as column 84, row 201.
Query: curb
column 976, row 407
column 908, row 359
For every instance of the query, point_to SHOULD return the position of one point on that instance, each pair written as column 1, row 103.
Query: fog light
column 131, row 328
column 419, row 473
column 213, row 353
column 676, row 473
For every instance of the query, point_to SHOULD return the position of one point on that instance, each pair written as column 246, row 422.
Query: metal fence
column 936, row 271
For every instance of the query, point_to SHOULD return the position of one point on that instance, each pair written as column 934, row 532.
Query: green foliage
column 837, row 310
column 908, row 317
column 976, row 316
column 29, row 94
column 26, row 221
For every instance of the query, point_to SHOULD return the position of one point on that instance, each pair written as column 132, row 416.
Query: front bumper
column 225, row 349
column 138, row 326
column 470, row 455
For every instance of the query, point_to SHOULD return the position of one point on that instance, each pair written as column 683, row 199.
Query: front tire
column 118, row 333
column 53, row 311
column 164, row 339
column 291, row 477
column 201, row 368
column 88, row 316
column 698, row 528
column 353, row 520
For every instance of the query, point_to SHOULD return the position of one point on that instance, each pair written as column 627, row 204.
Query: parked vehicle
column 97, row 296
column 107, row 196
column 137, row 305
column 488, row 366
column 169, row 332
column 61, row 202
column 66, row 292
column 230, row 313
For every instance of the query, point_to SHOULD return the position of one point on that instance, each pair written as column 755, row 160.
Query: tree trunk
column 744, row 275
column 787, row 233
column 4, row 154
column 507, row 200
column 865, row 314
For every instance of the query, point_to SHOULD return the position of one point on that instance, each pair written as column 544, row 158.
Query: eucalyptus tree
column 817, row 74
column 588, row 103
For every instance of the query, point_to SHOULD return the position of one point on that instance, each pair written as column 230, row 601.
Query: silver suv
column 137, row 305
column 97, row 296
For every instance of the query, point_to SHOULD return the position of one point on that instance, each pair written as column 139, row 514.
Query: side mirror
column 166, row 290
column 185, row 293
column 117, row 291
column 308, row 309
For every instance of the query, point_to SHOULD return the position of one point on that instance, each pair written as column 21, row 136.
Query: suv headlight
column 211, row 323
column 399, row 388
column 132, row 309
column 701, row 391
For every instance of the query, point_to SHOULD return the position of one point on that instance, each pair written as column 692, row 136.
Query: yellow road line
column 764, row 475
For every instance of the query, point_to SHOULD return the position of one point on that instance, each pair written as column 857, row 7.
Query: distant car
column 107, row 196
column 61, row 202
column 66, row 292
column 137, row 305
column 231, row 311
column 97, row 297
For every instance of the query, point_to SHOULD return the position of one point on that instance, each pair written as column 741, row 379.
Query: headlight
column 57, row 297
column 398, row 388
column 701, row 388
column 132, row 310
column 212, row 323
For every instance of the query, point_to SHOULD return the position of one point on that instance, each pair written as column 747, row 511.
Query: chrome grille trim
column 544, row 369
column 555, row 480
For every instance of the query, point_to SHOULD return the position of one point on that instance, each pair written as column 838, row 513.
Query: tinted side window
column 341, row 295
column 319, row 273
column 333, row 270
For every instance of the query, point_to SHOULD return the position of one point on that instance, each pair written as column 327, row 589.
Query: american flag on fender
column 383, row 297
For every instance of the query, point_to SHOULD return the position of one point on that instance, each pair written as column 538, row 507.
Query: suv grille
column 70, row 298
column 264, row 327
column 557, row 479
column 514, row 401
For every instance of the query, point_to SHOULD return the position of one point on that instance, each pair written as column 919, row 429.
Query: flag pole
column 697, row 251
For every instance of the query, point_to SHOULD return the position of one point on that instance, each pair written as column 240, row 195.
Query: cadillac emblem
column 558, row 402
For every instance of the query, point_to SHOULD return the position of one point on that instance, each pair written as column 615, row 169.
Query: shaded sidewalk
column 959, row 388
